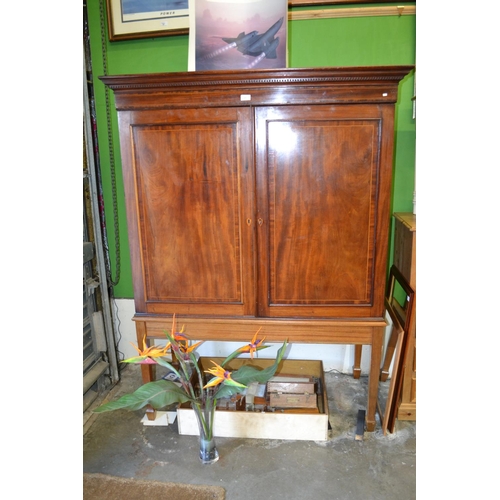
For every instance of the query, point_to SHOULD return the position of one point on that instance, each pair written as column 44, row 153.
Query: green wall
column 360, row 41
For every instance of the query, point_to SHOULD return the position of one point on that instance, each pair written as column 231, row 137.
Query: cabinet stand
column 348, row 332
column 260, row 199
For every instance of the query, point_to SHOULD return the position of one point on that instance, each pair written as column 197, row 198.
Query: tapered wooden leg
column 389, row 353
column 356, row 369
column 373, row 378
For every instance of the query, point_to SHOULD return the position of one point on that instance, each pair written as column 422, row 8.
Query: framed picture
column 238, row 34
column 399, row 302
column 307, row 3
column 131, row 19
column 388, row 412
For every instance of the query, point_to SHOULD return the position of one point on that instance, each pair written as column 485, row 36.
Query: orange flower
column 179, row 336
column 188, row 349
column 147, row 355
column 253, row 346
column 221, row 376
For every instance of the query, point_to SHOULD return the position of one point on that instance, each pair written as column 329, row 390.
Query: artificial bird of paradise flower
column 202, row 395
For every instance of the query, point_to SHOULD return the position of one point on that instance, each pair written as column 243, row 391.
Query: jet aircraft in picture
column 255, row 45
column 252, row 44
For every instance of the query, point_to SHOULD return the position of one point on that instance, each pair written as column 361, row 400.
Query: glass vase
column 205, row 413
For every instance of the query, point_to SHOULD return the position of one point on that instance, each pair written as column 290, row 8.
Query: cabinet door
column 189, row 182
column 323, row 190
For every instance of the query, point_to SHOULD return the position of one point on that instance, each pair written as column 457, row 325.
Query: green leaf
column 166, row 364
column 248, row 374
column 158, row 394
column 136, row 359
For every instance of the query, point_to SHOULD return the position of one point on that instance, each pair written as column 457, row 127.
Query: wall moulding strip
column 407, row 10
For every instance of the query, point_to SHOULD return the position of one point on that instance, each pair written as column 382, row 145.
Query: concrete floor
column 378, row 467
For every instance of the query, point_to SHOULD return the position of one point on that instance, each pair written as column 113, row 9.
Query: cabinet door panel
column 192, row 176
column 318, row 180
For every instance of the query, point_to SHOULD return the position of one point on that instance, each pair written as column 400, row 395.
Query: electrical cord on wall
column 111, row 281
column 117, row 324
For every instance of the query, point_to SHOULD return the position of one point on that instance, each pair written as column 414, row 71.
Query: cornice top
column 289, row 76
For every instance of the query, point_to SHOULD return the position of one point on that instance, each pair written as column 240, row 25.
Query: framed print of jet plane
column 238, row 34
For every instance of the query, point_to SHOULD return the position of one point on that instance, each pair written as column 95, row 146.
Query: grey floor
column 343, row 468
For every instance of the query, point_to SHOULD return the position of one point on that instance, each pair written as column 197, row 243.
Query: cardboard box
column 289, row 391
column 290, row 384
column 301, row 424
column 282, row 400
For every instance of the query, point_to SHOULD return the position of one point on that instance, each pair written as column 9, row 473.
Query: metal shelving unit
column 100, row 363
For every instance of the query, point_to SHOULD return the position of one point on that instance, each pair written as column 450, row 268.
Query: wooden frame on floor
column 401, row 312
